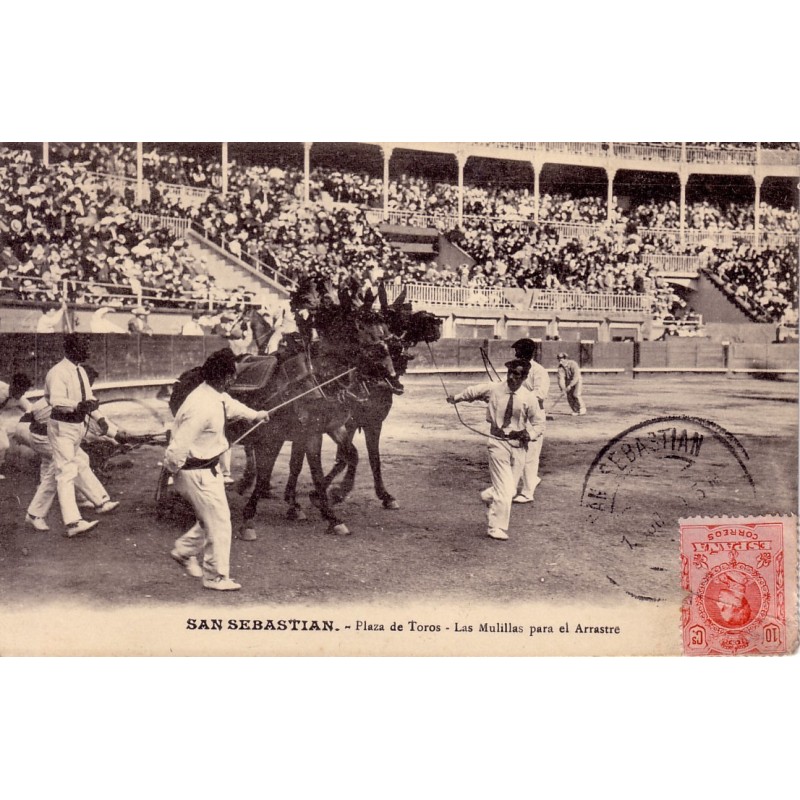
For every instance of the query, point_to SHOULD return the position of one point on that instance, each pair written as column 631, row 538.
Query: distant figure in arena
column 538, row 382
column 51, row 316
column 11, row 395
column 139, row 323
column 193, row 327
column 570, row 381
column 99, row 324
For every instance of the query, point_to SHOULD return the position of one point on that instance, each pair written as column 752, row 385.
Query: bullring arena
column 676, row 295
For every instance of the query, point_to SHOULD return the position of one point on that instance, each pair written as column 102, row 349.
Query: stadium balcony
column 429, row 295
column 637, row 151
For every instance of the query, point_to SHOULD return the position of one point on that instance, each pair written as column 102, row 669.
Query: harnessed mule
column 357, row 349
column 369, row 410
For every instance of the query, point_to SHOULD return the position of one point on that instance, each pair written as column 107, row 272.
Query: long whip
column 455, row 405
column 275, row 408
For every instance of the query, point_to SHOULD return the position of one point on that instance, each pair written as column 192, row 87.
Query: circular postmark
column 644, row 480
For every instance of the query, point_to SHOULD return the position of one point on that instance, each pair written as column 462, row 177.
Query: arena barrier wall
column 763, row 357
column 118, row 359
column 153, row 360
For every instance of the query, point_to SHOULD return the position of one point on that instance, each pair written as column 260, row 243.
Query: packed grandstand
column 92, row 221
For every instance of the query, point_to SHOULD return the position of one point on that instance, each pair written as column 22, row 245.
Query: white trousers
column 505, row 468
column 209, row 539
column 530, row 472
column 69, row 462
column 86, row 481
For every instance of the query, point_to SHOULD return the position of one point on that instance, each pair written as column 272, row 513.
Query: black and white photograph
column 397, row 398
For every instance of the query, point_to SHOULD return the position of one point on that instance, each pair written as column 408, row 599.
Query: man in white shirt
column 197, row 442
column 192, row 327
column 86, row 482
column 51, row 316
column 516, row 422
column 99, row 324
column 68, row 391
column 538, row 382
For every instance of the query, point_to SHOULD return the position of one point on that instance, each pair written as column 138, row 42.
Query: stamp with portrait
column 739, row 573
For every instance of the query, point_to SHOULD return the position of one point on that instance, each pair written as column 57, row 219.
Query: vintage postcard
column 392, row 398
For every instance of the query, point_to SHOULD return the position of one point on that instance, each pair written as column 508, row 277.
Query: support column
column 139, row 172
column 387, row 155
column 536, row 173
column 306, row 172
column 683, row 152
column 757, row 212
column 611, row 173
column 684, row 179
column 224, row 169
column 462, row 159
column 46, row 154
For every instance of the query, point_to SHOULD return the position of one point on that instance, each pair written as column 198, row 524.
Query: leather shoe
column 189, row 563
column 81, row 526
column 109, row 505
column 37, row 523
column 496, row 533
column 221, row 584
column 520, row 500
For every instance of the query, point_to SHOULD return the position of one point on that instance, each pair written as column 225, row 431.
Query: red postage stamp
column 740, row 576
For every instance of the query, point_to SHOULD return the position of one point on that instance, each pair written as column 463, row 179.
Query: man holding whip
column 198, row 440
column 517, row 421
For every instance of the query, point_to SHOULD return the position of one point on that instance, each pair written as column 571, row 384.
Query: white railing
column 177, row 225
column 646, row 152
column 185, row 196
column 779, row 238
column 701, row 155
column 575, row 148
column 535, row 299
column 428, row 294
column 671, row 264
column 789, row 158
column 91, row 293
column 586, row 301
column 723, row 237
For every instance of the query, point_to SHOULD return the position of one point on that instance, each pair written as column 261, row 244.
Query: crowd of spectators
column 59, row 224
column 764, row 281
column 59, row 228
column 714, row 215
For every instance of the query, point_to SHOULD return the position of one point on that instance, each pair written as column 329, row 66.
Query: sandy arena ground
column 435, row 547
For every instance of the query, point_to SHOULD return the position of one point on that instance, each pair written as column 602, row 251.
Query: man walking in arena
column 86, row 482
column 198, row 440
column 68, row 391
column 516, row 422
column 570, row 381
column 538, row 382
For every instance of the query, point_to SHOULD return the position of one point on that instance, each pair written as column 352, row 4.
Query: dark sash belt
column 202, row 463
column 501, row 434
column 39, row 428
column 67, row 416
